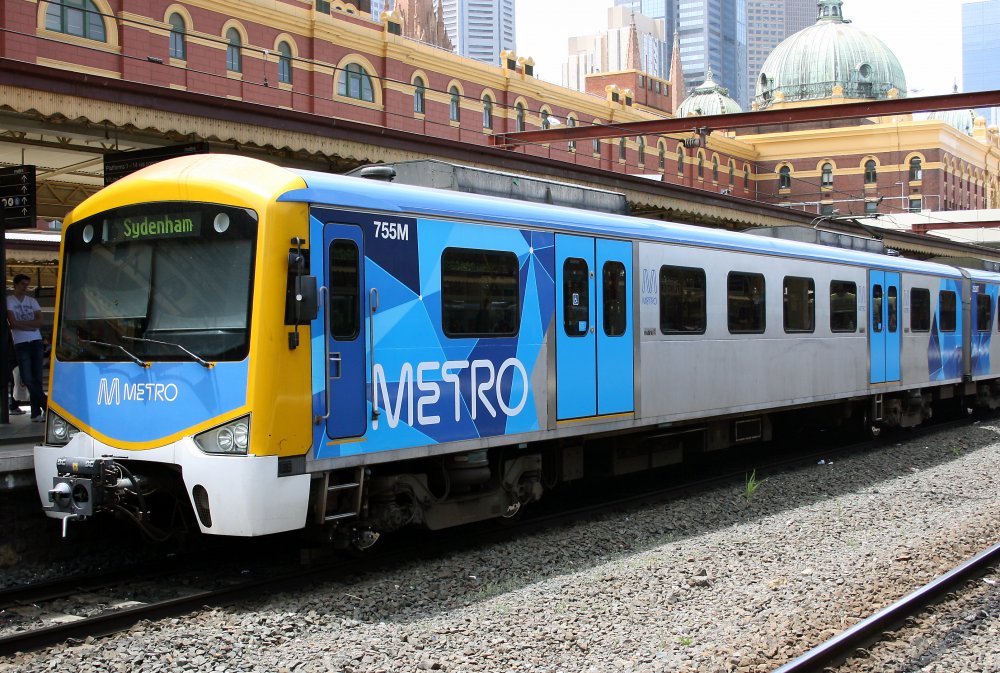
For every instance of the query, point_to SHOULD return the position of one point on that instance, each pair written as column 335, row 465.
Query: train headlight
column 58, row 431
column 232, row 438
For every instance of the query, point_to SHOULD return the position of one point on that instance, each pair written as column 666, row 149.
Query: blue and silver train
column 253, row 349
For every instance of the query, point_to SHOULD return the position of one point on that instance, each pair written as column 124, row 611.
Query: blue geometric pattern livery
column 982, row 334
column 430, row 388
column 944, row 350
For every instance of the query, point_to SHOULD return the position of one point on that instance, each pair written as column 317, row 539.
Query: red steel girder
column 798, row 115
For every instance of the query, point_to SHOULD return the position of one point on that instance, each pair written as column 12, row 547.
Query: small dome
column 830, row 57
column 708, row 99
column 963, row 120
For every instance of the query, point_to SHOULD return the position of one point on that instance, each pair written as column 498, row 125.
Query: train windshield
column 158, row 282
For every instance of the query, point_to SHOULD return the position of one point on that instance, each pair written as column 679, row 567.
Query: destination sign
column 119, row 164
column 152, row 226
column 17, row 197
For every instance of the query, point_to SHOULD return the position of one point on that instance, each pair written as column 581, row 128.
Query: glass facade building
column 981, row 52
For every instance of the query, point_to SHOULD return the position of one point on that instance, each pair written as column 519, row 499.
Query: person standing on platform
column 24, row 316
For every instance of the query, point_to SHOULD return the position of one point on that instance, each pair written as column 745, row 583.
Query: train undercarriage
column 353, row 507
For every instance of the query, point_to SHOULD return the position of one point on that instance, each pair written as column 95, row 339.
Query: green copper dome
column 831, row 54
column 708, row 99
column 962, row 120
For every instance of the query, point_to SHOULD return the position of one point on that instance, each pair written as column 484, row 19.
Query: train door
column 345, row 331
column 594, row 327
column 883, row 326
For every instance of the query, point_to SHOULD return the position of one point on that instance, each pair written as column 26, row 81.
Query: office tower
column 610, row 50
column 479, row 29
column 666, row 10
column 981, row 52
column 713, row 36
column 769, row 22
column 379, row 6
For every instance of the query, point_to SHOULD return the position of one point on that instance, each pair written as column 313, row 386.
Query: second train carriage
column 277, row 348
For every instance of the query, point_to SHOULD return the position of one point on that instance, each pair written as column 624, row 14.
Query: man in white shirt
column 24, row 316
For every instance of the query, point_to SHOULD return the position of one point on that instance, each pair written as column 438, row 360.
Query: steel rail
column 867, row 631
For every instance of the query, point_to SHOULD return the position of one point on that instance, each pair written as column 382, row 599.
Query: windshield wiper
column 204, row 363
column 133, row 358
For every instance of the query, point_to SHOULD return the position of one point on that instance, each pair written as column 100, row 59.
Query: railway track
column 81, row 607
column 868, row 631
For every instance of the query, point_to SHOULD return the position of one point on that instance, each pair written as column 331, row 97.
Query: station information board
column 17, row 197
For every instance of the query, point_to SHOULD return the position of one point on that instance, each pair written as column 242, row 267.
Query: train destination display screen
column 150, row 226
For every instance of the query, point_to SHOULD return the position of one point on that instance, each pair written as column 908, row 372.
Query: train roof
column 405, row 200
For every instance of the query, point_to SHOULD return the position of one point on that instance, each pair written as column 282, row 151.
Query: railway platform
column 17, row 440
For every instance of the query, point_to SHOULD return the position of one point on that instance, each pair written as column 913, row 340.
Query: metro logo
column 484, row 384
column 112, row 392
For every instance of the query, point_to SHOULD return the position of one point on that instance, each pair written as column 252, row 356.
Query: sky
column 925, row 35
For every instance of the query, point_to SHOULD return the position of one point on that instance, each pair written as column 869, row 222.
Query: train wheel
column 866, row 426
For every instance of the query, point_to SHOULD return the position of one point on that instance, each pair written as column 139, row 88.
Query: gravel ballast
column 713, row 582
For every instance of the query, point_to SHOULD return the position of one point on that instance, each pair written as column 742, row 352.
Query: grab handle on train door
column 372, row 307
column 324, row 294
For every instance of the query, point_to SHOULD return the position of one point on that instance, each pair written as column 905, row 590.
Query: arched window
column 520, row 117
column 701, row 166
column 746, row 177
column 487, row 112
column 715, row 169
column 661, row 156
column 571, row 123
column 826, row 179
column 178, row 45
column 785, row 178
column 546, row 122
column 642, row 150
column 871, row 172
column 916, row 172
column 355, row 83
column 284, row 63
column 680, row 159
column 234, row 51
column 419, row 95
column 621, row 148
column 455, row 107
column 732, row 173
column 75, row 17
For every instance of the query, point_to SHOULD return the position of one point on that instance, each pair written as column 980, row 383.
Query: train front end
column 169, row 336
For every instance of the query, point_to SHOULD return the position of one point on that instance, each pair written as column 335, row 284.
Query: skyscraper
column 609, row 50
column 656, row 9
column 769, row 22
column 480, row 29
column 713, row 36
column 981, row 51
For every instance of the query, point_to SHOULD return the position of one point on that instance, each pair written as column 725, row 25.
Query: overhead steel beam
column 798, row 115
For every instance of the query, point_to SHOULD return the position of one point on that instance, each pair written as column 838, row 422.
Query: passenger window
column 345, row 314
column 984, row 312
column 891, row 305
column 682, row 300
column 576, row 297
column 615, row 302
column 920, row 309
column 843, row 306
column 746, row 305
column 948, row 311
column 480, row 293
column 799, row 304
column 876, row 308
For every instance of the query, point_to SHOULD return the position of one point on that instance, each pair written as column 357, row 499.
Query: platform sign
column 120, row 164
column 17, row 197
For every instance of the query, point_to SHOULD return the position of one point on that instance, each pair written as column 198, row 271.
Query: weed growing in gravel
column 685, row 641
column 751, row 486
column 956, row 451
